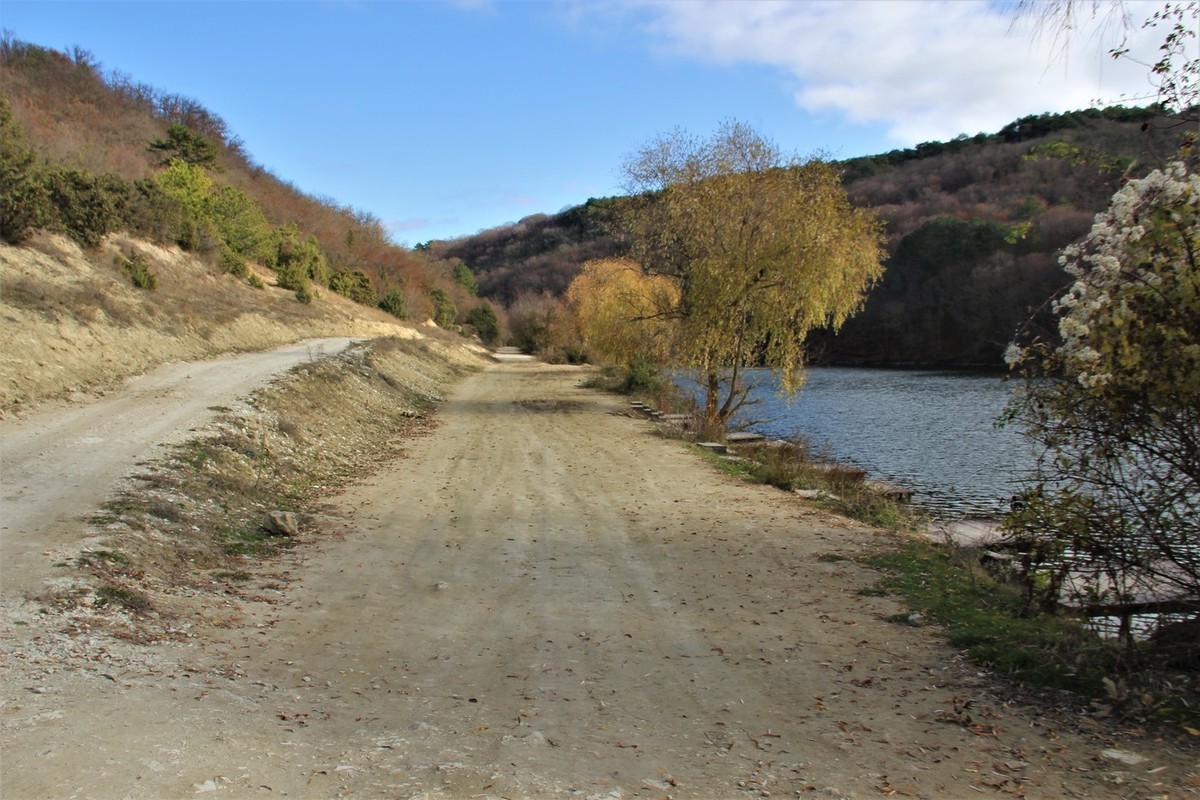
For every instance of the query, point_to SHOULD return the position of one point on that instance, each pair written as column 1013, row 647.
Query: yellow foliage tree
column 761, row 247
column 622, row 313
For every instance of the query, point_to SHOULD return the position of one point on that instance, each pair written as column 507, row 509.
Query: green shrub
column 576, row 353
column 483, row 319
column 463, row 276
column 139, row 273
column 444, row 312
column 155, row 214
column 296, row 259
column 641, row 376
column 188, row 183
column 240, row 222
column 291, row 276
column 255, row 281
column 233, row 264
column 305, row 293
column 355, row 285
column 184, row 145
column 190, row 186
column 23, row 201
column 393, row 303
column 197, row 235
column 83, row 206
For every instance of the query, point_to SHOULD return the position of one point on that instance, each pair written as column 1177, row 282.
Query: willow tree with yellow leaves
column 622, row 313
column 762, row 247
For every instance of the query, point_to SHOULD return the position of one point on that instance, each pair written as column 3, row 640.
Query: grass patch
column 251, row 543
column 988, row 618
column 124, row 597
column 985, row 617
column 138, row 271
column 841, row 489
column 97, row 558
column 238, row 576
column 873, row 508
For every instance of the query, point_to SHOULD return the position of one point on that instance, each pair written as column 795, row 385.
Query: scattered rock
column 1123, row 757
column 281, row 523
column 534, row 738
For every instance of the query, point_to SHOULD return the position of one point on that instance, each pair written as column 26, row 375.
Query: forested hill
column 973, row 225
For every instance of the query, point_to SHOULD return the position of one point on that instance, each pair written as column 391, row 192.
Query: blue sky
column 442, row 119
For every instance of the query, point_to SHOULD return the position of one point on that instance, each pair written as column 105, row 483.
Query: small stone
column 281, row 523
column 1123, row 756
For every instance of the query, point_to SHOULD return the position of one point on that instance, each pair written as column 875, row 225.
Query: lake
column 933, row 432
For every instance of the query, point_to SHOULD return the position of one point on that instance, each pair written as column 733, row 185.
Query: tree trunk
column 712, row 395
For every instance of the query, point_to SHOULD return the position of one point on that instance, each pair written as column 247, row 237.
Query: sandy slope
column 546, row 600
column 71, row 324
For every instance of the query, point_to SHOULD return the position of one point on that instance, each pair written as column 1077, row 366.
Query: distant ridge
column 974, row 226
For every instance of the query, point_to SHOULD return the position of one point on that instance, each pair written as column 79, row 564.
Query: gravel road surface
column 546, row 599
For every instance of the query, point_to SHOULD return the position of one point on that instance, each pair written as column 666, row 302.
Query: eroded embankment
column 188, row 527
column 73, row 324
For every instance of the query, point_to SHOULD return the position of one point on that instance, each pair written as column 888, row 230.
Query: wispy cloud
column 926, row 69
column 405, row 225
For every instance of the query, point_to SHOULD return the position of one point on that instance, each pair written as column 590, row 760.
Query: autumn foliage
column 738, row 252
column 972, row 229
column 90, row 151
column 623, row 314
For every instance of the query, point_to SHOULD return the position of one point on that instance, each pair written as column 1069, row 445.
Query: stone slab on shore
column 965, row 532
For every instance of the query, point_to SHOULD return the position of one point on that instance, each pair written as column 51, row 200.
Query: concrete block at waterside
column 891, row 491
column 848, row 470
column 744, row 437
column 967, row 532
column 713, row 447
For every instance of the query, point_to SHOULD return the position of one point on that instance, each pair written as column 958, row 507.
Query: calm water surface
column 933, row 432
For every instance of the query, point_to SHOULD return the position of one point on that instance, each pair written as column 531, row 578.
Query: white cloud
column 926, row 69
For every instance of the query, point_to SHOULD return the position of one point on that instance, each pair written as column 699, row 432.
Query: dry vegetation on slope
column 72, row 321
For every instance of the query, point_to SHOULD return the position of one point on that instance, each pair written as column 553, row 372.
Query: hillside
column 973, row 225
column 973, row 230
column 87, row 153
column 73, row 323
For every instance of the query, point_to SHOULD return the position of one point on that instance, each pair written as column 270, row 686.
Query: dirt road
column 544, row 599
column 58, row 465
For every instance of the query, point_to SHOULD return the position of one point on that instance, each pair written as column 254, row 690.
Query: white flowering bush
column 1115, row 403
